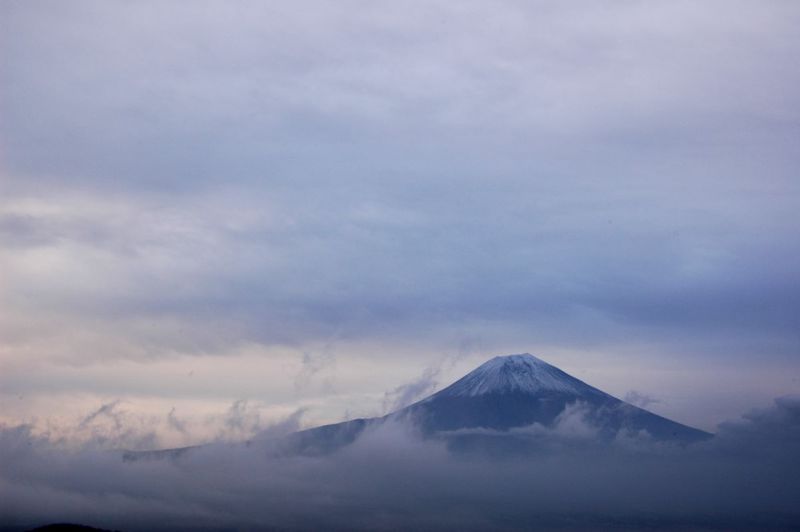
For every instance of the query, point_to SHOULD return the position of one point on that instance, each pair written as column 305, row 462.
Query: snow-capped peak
column 515, row 373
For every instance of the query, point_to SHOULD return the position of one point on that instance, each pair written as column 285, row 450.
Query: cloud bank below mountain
column 745, row 478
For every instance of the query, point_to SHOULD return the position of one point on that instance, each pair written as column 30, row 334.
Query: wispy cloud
column 405, row 394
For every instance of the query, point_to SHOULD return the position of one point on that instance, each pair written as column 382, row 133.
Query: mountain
column 500, row 397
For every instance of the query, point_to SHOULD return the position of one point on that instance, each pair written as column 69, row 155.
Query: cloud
column 107, row 410
column 745, row 478
column 175, row 422
column 240, row 418
column 109, row 426
column 605, row 178
column 405, row 394
column 314, row 365
column 282, row 427
column 763, row 431
column 642, row 400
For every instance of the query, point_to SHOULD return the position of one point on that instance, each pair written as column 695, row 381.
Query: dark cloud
column 743, row 479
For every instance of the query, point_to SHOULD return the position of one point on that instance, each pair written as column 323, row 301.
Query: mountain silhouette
column 506, row 394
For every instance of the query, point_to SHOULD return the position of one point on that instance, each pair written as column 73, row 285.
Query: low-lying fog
column 746, row 477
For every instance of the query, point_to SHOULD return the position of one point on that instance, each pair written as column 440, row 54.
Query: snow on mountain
column 515, row 373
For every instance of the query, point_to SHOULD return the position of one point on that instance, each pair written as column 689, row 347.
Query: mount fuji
column 497, row 400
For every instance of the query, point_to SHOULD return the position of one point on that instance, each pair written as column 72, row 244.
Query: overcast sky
column 313, row 204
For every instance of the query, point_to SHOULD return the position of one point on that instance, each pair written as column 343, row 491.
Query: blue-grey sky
column 311, row 204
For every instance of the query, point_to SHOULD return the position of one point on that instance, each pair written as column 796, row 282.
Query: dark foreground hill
column 68, row 527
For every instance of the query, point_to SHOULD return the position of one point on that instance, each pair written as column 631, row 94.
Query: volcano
column 504, row 395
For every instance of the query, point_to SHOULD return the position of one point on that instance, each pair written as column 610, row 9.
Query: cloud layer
column 745, row 478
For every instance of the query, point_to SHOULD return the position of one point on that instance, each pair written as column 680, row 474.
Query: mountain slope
column 505, row 393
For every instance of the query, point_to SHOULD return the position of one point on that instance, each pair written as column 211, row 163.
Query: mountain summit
column 505, row 393
column 515, row 373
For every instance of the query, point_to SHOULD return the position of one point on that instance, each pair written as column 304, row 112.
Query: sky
column 215, row 215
